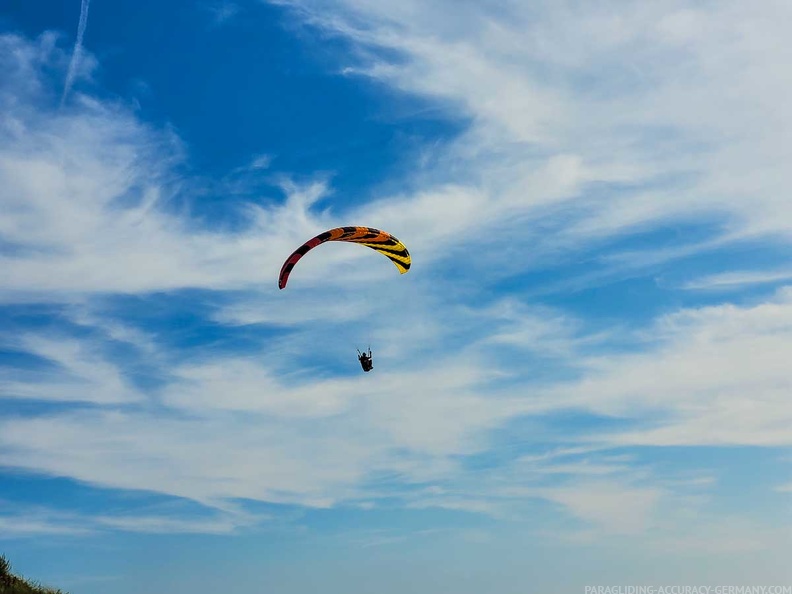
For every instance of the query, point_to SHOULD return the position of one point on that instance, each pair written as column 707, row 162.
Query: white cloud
column 166, row 525
column 625, row 92
column 617, row 508
column 261, row 162
column 233, row 427
column 223, row 12
column 37, row 523
column 90, row 202
column 77, row 373
column 24, row 521
column 732, row 281
column 313, row 444
column 718, row 375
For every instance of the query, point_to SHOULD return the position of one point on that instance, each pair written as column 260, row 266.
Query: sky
column 584, row 379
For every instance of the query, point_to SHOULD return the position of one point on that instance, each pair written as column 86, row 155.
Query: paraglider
column 366, row 361
column 380, row 241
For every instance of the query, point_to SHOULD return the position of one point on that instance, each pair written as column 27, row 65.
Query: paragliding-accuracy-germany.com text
column 688, row 590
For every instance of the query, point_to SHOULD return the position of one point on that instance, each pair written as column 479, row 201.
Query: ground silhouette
column 12, row 584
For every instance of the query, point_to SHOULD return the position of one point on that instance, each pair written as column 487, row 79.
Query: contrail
column 75, row 59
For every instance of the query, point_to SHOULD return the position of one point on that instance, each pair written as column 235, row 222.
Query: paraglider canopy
column 380, row 241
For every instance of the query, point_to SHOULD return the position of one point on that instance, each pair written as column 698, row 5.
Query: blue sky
column 584, row 378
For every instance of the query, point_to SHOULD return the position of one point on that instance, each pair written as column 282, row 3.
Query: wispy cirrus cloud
column 641, row 98
column 223, row 12
column 74, row 371
column 28, row 521
column 733, row 281
column 716, row 375
column 39, row 522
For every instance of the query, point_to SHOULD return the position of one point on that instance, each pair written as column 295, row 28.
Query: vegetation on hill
column 12, row 584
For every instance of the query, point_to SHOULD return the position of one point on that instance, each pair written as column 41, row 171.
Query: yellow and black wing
column 380, row 241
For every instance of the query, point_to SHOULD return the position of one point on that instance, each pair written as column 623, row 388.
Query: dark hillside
column 11, row 584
